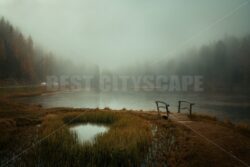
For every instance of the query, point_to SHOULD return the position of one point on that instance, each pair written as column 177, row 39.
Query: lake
column 235, row 108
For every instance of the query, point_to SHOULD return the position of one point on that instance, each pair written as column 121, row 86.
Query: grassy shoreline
column 242, row 128
column 135, row 138
column 127, row 140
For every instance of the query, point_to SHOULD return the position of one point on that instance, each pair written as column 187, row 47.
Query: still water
column 88, row 132
column 232, row 107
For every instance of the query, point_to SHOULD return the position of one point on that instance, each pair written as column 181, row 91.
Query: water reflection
column 88, row 132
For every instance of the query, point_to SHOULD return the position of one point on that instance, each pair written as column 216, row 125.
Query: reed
column 125, row 144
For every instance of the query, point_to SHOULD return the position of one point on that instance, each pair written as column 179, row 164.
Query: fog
column 117, row 33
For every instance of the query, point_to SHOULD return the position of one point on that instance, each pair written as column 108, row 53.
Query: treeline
column 20, row 61
column 224, row 65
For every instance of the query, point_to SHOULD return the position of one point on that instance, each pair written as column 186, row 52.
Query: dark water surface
column 232, row 107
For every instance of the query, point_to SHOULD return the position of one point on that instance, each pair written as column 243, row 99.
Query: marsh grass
column 240, row 127
column 199, row 117
column 125, row 144
column 243, row 128
column 22, row 91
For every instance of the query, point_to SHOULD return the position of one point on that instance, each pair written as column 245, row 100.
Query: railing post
column 190, row 106
column 158, row 105
column 167, row 109
column 157, row 108
column 179, row 107
column 190, row 109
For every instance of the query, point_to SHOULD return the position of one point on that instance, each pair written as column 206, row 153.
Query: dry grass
column 22, row 91
column 200, row 117
column 242, row 128
column 125, row 144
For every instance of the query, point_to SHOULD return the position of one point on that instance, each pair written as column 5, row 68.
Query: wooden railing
column 189, row 108
column 161, row 104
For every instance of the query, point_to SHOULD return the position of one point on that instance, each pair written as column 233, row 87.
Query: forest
column 23, row 62
column 224, row 64
column 20, row 60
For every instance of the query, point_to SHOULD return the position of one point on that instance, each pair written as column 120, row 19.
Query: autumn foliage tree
column 19, row 60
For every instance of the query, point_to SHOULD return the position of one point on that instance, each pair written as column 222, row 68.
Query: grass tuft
column 125, row 144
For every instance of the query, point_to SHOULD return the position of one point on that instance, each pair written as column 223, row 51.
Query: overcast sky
column 118, row 32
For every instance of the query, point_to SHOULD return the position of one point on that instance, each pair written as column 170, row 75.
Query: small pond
column 88, row 132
